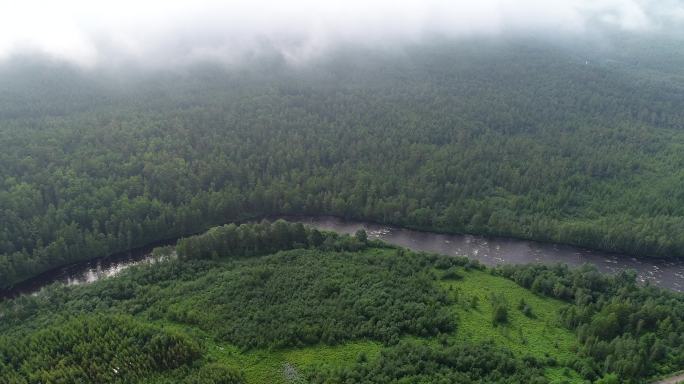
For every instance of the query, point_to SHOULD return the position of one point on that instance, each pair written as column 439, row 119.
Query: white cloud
column 176, row 31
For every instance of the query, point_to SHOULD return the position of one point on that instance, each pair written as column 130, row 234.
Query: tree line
column 623, row 328
column 447, row 138
column 282, row 289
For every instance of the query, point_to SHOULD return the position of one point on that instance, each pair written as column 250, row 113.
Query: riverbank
column 488, row 250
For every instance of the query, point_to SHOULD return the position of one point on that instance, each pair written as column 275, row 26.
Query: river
column 488, row 250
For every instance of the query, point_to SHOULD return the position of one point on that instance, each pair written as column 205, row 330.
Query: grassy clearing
column 538, row 335
column 562, row 375
column 263, row 366
column 268, row 365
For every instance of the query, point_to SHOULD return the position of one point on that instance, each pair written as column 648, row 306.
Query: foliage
column 306, row 297
column 622, row 328
column 452, row 274
column 93, row 349
column 261, row 239
column 519, row 139
column 499, row 309
column 330, row 313
column 411, row 362
column 525, row 308
column 542, row 337
column 215, row 374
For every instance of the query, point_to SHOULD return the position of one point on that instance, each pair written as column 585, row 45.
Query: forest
column 290, row 304
column 576, row 144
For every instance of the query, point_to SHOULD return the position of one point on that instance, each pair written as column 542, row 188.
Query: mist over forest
column 128, row 125
column 165, row 34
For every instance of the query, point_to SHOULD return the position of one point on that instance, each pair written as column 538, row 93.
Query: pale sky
column 91, row 32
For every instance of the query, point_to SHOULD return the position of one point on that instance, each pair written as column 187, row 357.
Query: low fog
column 172, row 32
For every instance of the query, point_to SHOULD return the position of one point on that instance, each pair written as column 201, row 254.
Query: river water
column 496, row 250
column 488, row 250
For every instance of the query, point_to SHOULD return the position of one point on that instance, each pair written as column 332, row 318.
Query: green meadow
column 539, row 335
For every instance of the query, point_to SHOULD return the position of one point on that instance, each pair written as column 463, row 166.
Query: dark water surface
column 488, row 250
column 494, row 250
column 88, row 271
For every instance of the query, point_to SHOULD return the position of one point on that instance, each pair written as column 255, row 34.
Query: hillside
column 577, row 144
column 283, row 303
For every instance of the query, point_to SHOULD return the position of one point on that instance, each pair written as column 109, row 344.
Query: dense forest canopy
column 575, row 142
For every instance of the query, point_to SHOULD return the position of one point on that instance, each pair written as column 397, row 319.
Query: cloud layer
column 178, row 31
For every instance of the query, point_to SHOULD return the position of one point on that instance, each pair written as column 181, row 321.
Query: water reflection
column 490, row 251
column 493, row 251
